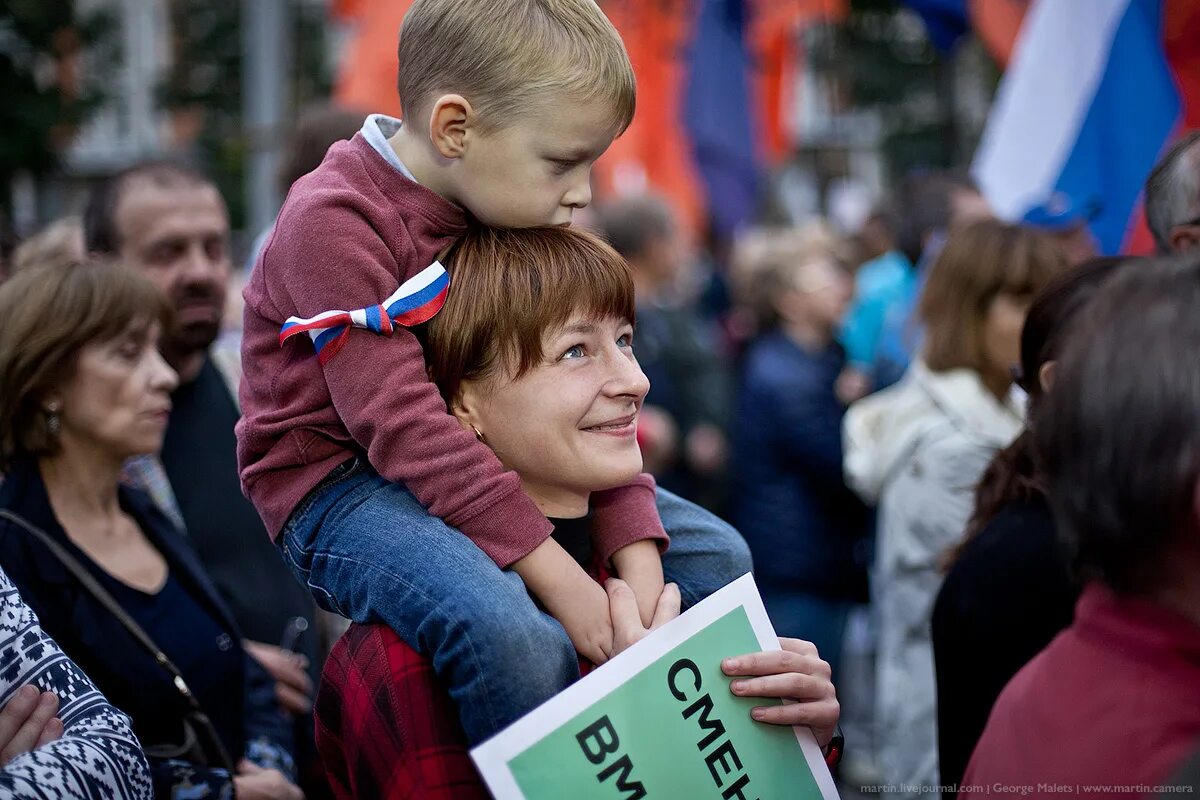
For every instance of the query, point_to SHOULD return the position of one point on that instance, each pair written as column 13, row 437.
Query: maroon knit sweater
column 348, row 234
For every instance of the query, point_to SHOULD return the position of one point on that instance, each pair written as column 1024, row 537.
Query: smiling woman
column 555, row 338
column 534, row 353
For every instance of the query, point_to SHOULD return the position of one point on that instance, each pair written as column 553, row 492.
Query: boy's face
column 536, row 170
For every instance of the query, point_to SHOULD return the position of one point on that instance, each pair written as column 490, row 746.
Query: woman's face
column 1002, row 333
column 568, row 426
column 119, row 398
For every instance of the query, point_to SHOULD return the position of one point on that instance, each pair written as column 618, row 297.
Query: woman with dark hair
column 110, row 578
column 1112, row 704
column 1007, row 592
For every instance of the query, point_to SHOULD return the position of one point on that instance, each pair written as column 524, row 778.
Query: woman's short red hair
column 508, row 289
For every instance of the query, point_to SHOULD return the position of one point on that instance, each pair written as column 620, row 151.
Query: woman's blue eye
column 625, row 341
column 574, row 352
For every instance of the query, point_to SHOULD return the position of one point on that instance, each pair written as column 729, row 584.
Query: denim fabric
column 369, row 551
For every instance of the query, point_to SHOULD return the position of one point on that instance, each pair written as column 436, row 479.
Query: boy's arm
column 571, row 597
column 630, row 534
column 626, row 515
column 640, row 566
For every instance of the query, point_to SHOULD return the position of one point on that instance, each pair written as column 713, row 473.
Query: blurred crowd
column 960, row 449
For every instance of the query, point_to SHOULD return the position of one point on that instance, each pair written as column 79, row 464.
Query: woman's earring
column 53, row 422
column 478, row 435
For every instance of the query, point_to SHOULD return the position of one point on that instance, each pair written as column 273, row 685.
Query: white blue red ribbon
column 417, row 300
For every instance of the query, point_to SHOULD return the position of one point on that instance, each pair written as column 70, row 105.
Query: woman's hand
column 627, row 620
column 255, row 783
column 28, row 722
column 293, row 687
column 794, row 673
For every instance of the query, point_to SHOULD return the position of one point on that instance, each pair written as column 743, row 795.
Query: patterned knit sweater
column 98, row 755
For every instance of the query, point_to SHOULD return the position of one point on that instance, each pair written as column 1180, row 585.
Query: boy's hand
column 627, row 627
column 640, row 566
column 571, row 597
column 584, row 614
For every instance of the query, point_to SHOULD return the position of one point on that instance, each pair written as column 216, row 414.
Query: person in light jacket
column 917, row 449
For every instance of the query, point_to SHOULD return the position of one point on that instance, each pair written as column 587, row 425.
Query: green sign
column 664, row 724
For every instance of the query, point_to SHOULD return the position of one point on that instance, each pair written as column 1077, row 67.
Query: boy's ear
column 452, row 116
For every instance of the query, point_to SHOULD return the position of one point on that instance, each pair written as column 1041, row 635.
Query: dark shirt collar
column 575, row 536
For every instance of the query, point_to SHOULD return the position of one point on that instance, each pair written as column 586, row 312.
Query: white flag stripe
column 1058, row 61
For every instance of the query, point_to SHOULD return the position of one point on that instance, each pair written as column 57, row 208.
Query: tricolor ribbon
column 417, row 300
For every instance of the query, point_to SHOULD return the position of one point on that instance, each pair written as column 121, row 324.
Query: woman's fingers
column 798, row 646
column 772, row 662
column 15, row 712
column 51, row 733
column 669, row 603
column 26, row 736
column 292, row 701
column 821, row 716
column 283, row 665
column 788, row 685
column 795, row 672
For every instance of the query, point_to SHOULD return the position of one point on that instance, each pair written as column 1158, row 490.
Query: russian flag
column 1086, row 108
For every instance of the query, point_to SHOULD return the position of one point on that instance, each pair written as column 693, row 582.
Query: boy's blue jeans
column 369, row 551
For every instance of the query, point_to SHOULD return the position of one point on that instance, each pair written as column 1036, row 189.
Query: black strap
column 93, row 586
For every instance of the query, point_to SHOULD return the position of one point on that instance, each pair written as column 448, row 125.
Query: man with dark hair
column 1173, row 197
column 171, row 222
column 1115, row 699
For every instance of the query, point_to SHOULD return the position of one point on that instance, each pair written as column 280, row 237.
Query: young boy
column 508, row 104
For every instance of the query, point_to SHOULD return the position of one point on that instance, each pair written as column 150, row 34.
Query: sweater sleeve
column 626, row 515
column 380, row 389
column 97, row 753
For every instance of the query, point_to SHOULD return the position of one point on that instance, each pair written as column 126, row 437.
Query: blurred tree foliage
column 884, row 58
column 48, row 93
column 205, row 81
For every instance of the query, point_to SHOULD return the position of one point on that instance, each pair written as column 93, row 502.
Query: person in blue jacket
column 806, row 530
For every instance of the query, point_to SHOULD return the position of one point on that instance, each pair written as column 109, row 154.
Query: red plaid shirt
column 386, row 726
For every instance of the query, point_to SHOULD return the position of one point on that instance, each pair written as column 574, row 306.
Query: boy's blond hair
column 506, row 56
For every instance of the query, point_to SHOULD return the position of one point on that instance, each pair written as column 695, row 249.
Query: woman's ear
column 448, row 124
column 1046, row 376
column 465, row 407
